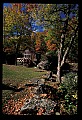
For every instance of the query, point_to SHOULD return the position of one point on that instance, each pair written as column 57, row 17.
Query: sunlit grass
column 15, row 74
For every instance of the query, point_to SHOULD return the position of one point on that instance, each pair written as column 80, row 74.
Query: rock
column 74, row 66
column 45, row 76
column 62, row 78
column 41, row 81
column 52, row 79
column 42, row 65
column 39, row 103
column 54, row 75
column 44, row 106
column 57, row 113
column 42, row 89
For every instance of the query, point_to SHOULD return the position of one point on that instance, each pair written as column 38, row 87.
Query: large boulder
column 43, row 65
column 33, row 106
column 74, row 66
column 42, row 103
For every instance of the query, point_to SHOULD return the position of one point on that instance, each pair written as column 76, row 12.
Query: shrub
column 70, row 96
column 70, row 82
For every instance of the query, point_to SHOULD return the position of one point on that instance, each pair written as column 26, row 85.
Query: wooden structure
column 28, row 57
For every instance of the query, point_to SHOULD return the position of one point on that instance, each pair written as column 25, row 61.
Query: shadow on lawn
column 14, row 88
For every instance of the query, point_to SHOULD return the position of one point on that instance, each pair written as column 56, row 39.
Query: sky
column 6, row 4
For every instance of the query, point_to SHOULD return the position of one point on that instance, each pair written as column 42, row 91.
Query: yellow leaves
column 75, row 96
column 19, row 12
column 13, row 16
column 5, row 9
column 33, row 15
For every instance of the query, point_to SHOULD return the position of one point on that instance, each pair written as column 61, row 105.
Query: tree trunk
column 16, row 60
column 60, row 56
column 17, row 46
column 59, row 67
column 62, row 61
column 68, row 48
column 16, row 56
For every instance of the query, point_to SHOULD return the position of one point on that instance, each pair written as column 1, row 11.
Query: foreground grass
column 20, row 74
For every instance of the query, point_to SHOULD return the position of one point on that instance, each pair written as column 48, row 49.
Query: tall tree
column 50, row 15
column 16, row 27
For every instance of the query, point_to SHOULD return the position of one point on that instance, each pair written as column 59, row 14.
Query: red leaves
column 13, row 107
column 40, row 111
column 30, row 7
column 18, row 7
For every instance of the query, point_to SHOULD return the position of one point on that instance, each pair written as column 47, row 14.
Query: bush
column 70, row 97
column 70, row 82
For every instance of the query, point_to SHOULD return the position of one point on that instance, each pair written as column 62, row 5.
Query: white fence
column 20, row 60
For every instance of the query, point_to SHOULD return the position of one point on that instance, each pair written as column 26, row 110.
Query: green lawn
column 20, row 74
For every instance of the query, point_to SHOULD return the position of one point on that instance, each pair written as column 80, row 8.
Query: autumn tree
column 16, row 27
column 50, row 16
column 40, row 42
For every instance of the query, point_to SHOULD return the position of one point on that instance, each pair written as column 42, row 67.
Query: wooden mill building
column 28, row 57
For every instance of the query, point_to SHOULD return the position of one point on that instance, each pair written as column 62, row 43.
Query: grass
column 19, row 74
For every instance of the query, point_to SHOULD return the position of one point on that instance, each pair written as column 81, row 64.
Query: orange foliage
column 53, row 47
column 18, row 6
column 50, row 46
column 38, row 45
column 48, row 43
